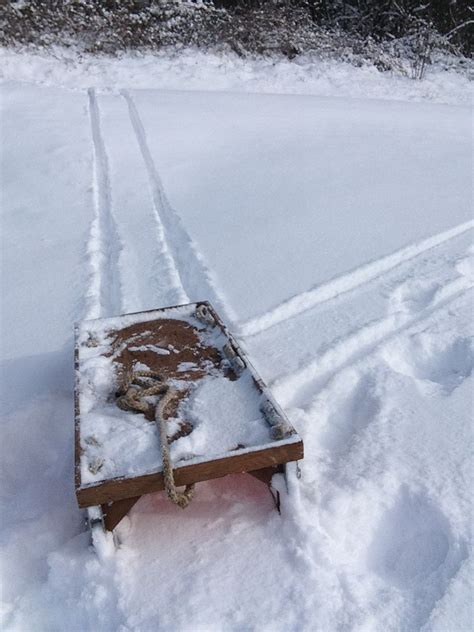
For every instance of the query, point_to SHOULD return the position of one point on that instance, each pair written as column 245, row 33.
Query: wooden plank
column 120, row 488
column 114, row 512
column 265, row 474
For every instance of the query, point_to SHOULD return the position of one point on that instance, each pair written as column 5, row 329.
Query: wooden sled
column 220, row 399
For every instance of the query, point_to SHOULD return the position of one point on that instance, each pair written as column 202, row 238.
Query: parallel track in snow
column 346, row 282
column 104, row 297
column 300, row 386
column 194, row 277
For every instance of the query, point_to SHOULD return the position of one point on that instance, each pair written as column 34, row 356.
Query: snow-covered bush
column 392, row 36
column 110, row 26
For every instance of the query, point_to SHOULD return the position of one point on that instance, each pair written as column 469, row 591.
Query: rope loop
column 137, row 386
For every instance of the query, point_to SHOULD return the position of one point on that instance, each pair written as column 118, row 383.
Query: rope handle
column 136, row 388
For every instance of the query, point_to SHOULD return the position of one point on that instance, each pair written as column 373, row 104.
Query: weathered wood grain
column 119, row 488
column 114, row 512
column 122, row 493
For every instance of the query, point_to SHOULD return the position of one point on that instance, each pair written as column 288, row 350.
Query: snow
column 227, row 416
column 194, row 69
column 292, row 160
column 335, row 236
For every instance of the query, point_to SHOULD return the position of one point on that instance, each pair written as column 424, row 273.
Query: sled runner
column 165, row 399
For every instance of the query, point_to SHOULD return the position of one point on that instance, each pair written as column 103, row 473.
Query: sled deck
column 181, row 368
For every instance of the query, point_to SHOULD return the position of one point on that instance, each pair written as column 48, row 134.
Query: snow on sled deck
column 222, row 420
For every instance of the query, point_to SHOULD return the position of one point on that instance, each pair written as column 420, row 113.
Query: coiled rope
column 137, row 386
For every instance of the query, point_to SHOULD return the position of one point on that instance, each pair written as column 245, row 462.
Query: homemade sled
column 219, row 418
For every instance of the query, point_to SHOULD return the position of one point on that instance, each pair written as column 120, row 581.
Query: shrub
column 394, row 36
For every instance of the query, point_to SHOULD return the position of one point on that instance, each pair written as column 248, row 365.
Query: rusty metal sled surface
column 224, row 420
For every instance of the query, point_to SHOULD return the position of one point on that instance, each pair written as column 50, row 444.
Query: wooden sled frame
column 109, row 515
column 113, row 498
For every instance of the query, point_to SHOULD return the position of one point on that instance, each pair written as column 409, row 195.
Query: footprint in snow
column 413, row 296
column 412, row 541
column 465, row 266
column 426, row 356
column 414, row 551
column 354, row 412
column 416, row 294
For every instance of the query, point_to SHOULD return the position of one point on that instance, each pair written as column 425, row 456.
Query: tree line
column 396, row 35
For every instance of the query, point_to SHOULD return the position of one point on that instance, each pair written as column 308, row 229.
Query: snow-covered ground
column 191, row 69
column 335, row 236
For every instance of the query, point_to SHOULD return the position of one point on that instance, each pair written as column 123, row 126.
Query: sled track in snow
column 347, row 282
column 104, row 296
column 195, row 278
column 301, row 385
